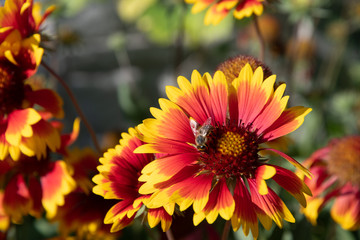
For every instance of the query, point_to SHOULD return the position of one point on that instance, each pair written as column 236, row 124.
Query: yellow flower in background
column 218, row 9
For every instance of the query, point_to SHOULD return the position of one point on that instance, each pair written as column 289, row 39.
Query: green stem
column 226, row 231
column 169, row 235
column 76, row 105
column 260, row 37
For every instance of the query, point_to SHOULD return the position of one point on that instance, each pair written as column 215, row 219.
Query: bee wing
column 194, row 126
column 206, row 127
column 204, row 130
column 207, row 122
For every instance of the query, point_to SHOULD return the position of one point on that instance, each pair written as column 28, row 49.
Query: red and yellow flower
column 222, row 171
column 24, row 129
column 20, row 22
column 4, row 218
column 82, row 166
column 24, row 54
column 34, row 185
column 83, row 215
column 23, row 15
column 220, row 8
column 83, row 212
column 336, row 175
column 118, row 179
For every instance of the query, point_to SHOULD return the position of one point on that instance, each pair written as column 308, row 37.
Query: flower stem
column 226, row 230
column 76, row 105
column 179, row 41
column 260, row 37
column 169, row 235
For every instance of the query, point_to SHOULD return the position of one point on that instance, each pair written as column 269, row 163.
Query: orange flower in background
column 118, row 179
column 26, row 130
column 83, row 212
column 336, row 175
column 211, row 134
column 21, row 61
column 83, row 215
column 4, row 218
column 34, row 185
column 23, row 53
column 82, row 165
column 20, row 22
column 220, row 8
column 24, row 16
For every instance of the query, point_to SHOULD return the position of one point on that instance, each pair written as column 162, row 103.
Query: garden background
column 118, row 56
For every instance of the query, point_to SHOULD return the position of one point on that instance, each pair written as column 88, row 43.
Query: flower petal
column 263, row 173
column 292, row 183
column 271, row 204
column 17, row 202
column 186, row 97
column 48, row 99
column 220, row 201
column 219, row 96
column 157, row 215
column 192, row 190
column 247, row 7
column 121, row 210
column 19, row 125
column 292, row 161
column 346, row 208
column 4, row 218
column 55, row 185
column 289, row 121
column 172, row 123
column 244, row 213
column 44, row 136
column 166, row 167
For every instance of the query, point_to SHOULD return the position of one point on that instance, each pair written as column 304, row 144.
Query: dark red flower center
column 232, row 66
column 11, row 90
column 231, row 152
column 344, row 160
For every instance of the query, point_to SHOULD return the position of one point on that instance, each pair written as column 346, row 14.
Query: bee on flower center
column 201, row 132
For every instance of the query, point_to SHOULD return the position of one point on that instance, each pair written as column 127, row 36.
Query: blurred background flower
column 219, row 9
column 336, row 174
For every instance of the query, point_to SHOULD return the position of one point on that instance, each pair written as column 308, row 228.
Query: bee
column 201, row 132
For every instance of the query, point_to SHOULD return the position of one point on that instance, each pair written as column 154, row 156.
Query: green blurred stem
column 260, row 37
column 179, row 42
column 333, row 64
column 76, row 105
column 226, row 231
column 169, row 235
